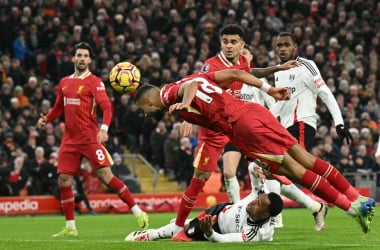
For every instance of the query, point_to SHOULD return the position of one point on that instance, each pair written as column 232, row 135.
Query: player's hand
column 42, row 121
column 258, row 172
column 279, row 93
column 289, row 64
column 206, row 223
column 178, row 107
column 102, row 136
column 185, row 129
column 343, row 133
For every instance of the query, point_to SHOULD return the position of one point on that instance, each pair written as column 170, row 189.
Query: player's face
column 258, row 208
column 81, row 59
column 285, row 48
column 150, row 110
column 231, row 46
column 247, row 54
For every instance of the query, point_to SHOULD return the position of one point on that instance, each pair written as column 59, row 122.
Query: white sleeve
column 224, row 238
column 316, row 84
column 329, row 100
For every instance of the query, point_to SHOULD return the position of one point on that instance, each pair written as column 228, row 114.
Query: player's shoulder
column 210, row 64
column 309, row 65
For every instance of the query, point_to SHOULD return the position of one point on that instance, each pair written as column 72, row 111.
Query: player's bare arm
column 187, row 91
column 42, row 121
column 102, row 136
column 264, row 72
column 242, row 76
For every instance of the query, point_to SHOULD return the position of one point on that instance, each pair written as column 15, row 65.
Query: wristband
column 265, row 87
column 104, row 127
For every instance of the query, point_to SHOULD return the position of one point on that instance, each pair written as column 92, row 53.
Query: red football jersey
column 216, row 63
column 78, row 98
column 212, row 107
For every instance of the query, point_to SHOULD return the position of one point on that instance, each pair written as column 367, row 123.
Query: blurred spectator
column 48, row 174
column 157, row 140
column 122, row 171
column 35, row 167
column 171, row 147
column 23, row 100
column 19, row 178
column 183, row 163
column 131, row 127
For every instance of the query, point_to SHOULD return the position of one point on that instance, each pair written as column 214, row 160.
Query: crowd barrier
column 110, row 203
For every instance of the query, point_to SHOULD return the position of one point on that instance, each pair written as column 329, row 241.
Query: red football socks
column 67, row 202
column 322, row 188
column 121, row 189
column 189, row 198
column 335, row 178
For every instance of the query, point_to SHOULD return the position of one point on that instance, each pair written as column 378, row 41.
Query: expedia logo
column 18, row 206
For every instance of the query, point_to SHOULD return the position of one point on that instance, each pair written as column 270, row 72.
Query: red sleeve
column 100, row 95
column 211, row 76
column 57, row 110
column 169, row 94
column 105, row 106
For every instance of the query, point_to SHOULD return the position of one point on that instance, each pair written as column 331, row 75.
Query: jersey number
column 207, row 88
column 100, row 155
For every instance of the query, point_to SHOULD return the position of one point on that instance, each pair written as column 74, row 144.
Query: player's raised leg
column 106, row 176
column 322, row 187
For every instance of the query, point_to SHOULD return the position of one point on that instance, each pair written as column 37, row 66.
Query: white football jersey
column 253, row 94
column 305, row 83
column 235, row 219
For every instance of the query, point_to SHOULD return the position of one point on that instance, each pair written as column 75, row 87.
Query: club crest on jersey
column 80, row 88
column 206, row 160
column 205, row 68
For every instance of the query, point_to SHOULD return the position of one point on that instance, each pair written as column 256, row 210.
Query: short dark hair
column 142, row 90
column 276, row 204
column 248, row 48
column 232, row 29
column 291, row 35
column 82, row 45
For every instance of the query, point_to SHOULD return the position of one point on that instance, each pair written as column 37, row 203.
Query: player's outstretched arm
column 229, row 75
column 264, row 72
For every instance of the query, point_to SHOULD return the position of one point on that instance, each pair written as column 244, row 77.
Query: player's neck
column 78, row 74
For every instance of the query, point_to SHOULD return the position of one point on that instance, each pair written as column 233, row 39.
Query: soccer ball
column 125, row 77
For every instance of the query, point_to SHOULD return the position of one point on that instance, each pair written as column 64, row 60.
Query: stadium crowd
column 168, row 40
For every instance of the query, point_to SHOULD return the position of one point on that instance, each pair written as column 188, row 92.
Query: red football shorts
column 70, row 157
column 208, row 152
column 259, row 135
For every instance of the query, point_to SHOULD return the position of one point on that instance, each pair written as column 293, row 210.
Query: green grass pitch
column 105, row 231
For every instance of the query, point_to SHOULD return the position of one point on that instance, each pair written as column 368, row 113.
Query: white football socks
column 233, row 189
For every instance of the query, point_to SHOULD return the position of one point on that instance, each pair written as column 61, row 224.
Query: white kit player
column 250, row 219
column 298, row 115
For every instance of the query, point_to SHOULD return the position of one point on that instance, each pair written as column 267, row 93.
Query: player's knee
column 202, row 175
column 65, row 180
column 229, row 173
